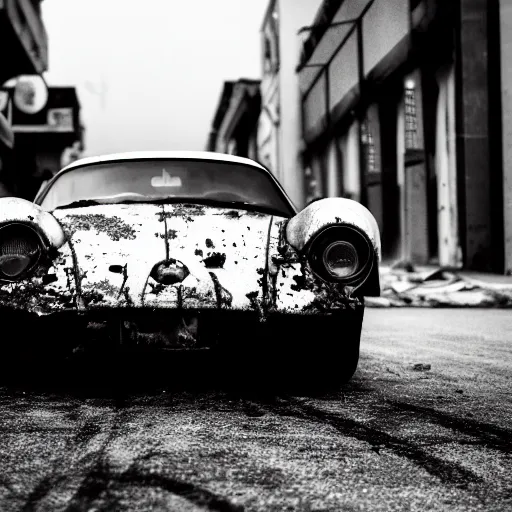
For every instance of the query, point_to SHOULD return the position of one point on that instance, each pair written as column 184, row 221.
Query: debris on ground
column 403, row 285
column 420, row 367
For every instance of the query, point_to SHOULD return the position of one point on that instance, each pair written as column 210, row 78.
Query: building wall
column 506, row 102
column 415, row 137
column 237, row 120
column 280, row 140
column 270, row 117
column 385, row 23
column 269, row 123
column 474, row 134
column 293, row 14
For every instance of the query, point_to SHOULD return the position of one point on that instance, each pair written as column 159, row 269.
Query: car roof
column 163, row 155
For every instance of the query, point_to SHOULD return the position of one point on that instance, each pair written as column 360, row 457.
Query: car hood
column 115, row 248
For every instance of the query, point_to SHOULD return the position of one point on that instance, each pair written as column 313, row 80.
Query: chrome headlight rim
column 35, row 260
column 334, row 235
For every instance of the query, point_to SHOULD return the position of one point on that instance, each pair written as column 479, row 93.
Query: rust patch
column 36, row 296
column 184, row 210
column 215, row 260
column 224, row 298
column 255, row 214
column 198, row 252
column 233, row 214
column 256, row 305
column 261, row 272
column 156, row 288
column 126, row 294
column 327, row 296
column 209, row 243
column 113, row 226
column 193, row 294
column 92, row 297
column 107, row 287
column 300, row 283
column 42, row 293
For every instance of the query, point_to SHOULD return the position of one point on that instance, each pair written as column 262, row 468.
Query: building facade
column 23, row 51
column 279, row 135
column 45, row 138
column 235, row 123
column 505, row 106
column 401, row 110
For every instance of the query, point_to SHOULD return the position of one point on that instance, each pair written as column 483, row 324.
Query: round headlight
column 340, row 259
column 340, row 254
column 20, row 249
column 13, row 266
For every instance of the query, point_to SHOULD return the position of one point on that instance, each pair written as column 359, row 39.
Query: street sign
column 30, row 94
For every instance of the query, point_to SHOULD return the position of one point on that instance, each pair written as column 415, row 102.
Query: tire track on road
column 17, row 404
column 446, row 472
column 487, row 434
column 100, row 478
column 69, row 468
column 41, row 490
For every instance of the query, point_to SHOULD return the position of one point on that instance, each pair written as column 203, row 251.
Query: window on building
column 368, row 141
column 411, row 126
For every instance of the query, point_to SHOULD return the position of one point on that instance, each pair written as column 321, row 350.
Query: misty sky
column 160, row 64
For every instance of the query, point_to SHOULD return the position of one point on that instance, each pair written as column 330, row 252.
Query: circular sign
column 30, row 94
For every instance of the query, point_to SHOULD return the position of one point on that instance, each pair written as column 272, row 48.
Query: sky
column 149, row 74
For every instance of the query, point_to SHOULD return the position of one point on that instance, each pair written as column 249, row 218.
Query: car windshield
column 204, row 181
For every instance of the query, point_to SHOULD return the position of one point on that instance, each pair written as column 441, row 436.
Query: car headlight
column 341, row 254
column 340, row 259
column 20, row 250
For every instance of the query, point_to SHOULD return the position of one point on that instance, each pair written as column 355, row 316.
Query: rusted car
column 187, row 250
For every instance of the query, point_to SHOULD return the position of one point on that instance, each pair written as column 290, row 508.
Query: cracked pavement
column 423, row 425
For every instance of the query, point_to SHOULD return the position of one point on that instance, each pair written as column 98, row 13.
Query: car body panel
column 237, row 259
column 42, row 298
column 332, row 211
column 216, row 245
column 14, row 209
column 233, row 257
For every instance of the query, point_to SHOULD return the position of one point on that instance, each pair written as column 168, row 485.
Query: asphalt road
column 398, row 437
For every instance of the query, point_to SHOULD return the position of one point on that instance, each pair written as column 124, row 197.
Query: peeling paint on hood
column 223, row 249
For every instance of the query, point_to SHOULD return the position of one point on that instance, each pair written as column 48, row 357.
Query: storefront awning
column 6, row 133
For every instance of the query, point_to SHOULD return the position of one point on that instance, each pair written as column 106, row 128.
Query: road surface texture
column 425, row 424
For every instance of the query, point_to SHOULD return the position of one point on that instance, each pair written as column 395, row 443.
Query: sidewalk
column 428, row 286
